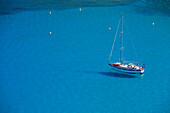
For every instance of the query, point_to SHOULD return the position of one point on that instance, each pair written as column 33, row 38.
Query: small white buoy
column 50, row 33
column 50, row 12
column 110, row 28
column 80, row 9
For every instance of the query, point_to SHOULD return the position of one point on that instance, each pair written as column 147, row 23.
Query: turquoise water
column 67, row 71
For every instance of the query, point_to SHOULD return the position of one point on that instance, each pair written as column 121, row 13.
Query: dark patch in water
column 113, row 74
column 4, row 13
column 147, row 7
column 152, row 7
column 119, row 75
column 13, row 6
column 15, row 9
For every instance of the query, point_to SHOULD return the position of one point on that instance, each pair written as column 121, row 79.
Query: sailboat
column 122, row 66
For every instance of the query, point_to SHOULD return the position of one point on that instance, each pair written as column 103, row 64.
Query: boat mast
column 121, row 35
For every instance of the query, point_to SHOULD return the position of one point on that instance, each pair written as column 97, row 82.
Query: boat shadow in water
column 119, row 75
column 114, row 74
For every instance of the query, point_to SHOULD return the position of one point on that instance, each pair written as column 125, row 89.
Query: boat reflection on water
column 115, row 73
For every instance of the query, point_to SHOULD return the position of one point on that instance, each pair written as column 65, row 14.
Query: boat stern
column 142, row 71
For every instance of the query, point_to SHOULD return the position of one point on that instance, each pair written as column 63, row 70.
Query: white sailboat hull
column 129, row 71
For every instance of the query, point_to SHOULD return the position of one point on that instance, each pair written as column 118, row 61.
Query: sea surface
column 57, row 63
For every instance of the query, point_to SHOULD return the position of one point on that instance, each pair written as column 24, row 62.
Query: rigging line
column 114, row 40
column 131, row 41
